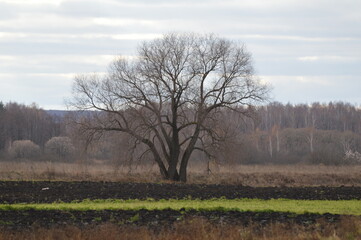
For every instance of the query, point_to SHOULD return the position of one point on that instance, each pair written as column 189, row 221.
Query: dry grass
column 347, row 228
column 249, row 175
column 288, row 175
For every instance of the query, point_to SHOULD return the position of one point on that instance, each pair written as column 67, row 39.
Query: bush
column 24, row 149
column 60, row 147
column 352, row 157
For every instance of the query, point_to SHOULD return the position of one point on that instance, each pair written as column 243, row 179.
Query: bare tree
column 167, row 97
column 60, row 147
column 24, row 149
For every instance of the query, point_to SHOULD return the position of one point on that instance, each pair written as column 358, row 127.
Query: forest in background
column 276, row 133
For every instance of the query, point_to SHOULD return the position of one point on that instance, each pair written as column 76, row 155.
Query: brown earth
column 156, row 219
column 48, row 191
column 51, row 191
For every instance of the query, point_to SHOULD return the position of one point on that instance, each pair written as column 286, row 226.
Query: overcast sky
column 308, row 50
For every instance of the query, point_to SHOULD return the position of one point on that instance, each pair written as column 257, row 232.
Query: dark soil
column 43, row 192
column 154, row 219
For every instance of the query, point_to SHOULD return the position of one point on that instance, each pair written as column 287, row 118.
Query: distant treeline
column 21, row 122
column 338, row 116
column 275, row 133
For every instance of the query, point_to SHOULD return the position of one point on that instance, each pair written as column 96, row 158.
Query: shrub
column 352, row 157
column 60, row 147
column 24, row 149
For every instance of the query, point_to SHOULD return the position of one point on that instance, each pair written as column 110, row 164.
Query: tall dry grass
column 196, row 229
column 249, row 175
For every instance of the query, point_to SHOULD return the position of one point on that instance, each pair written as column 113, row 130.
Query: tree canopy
column 168, row 96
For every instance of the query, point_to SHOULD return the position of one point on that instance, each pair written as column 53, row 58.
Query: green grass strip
column 343, row 207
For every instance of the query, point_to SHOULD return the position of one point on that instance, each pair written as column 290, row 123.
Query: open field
column 34, row 214
column 57, row 191
column 195, row 228
column 247, row 175
column 299, row 202
column 264, row 203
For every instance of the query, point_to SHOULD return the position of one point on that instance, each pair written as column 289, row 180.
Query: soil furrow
column 47, row 192
column 154, row 218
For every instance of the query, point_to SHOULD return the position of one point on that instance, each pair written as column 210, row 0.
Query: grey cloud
column 7, row 12
column 86, row 8
column 13, row 10
column 52, row 66
column 317, row 19
column 77, row 46
column 277, row 33
column 44, row 90
column 74, row 30
column 296, row 68
column 298, row 92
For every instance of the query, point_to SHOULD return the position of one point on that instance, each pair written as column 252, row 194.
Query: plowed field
column 48, row 192
column 42, row 192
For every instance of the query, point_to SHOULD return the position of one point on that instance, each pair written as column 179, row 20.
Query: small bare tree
column 167, row 97
column 60, row 147
column 24, row 149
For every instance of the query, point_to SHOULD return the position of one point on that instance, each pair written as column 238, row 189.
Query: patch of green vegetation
column 135, row 218
column 343, row 207
column 6, row 222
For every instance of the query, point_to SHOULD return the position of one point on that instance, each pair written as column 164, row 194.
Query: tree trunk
column 183, row 172
column 174, row 177
column 184, row 163
column 278, row 141
column 186, row 156
column 173, row 162
column 173, row 173
column 174, row 147
column 163, row 171
column 310, row 139
column 270, row 146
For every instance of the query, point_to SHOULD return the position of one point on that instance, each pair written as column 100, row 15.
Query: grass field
column 248, row 175
column 342, row 207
